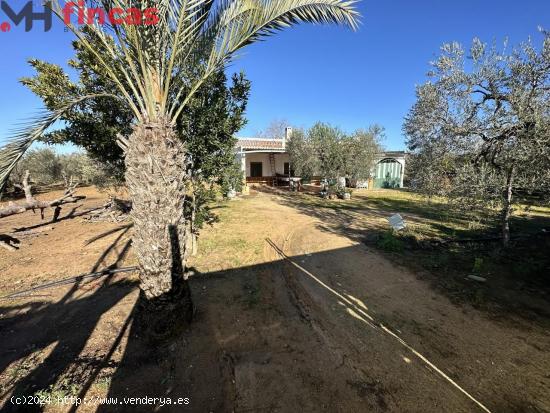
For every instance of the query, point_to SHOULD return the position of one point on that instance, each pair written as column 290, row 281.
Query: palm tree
column 156, row 69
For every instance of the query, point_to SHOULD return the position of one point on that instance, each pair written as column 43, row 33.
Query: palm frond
column 158, row 68
column 265, row 18
column 236, row 24
column 30, row 131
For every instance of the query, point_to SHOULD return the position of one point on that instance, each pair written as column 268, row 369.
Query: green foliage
column 46, row 167
column 326, row 151
column 325, row 145
column 92, row 125
column 232, row 179
column 211, row 120
column 389, row 242
column 88, row 171
column 360, row 150
column 302, row 159
column 481, row 126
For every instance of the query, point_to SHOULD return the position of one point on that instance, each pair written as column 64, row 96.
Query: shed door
column 388, row 174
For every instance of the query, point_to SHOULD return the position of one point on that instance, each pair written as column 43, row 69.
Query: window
column 286, row 168
column 256, row 169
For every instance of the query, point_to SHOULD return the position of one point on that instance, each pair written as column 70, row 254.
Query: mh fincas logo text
column 30, row 13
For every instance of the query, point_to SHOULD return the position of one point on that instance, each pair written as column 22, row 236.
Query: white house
column 263, row 161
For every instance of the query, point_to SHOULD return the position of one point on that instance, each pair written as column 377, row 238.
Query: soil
column 297, row 319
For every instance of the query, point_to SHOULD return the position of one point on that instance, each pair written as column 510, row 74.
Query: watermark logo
column 75, row 11
column 28, row 14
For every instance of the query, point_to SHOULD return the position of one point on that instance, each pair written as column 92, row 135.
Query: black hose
column 70, row 280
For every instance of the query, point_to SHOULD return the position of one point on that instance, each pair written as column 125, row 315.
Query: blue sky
column 311, row 73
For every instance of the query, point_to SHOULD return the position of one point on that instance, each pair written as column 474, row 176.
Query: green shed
column 387, row 173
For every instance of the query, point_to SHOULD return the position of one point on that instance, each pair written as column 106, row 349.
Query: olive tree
column 43, row 165
column 360, row 151
column 480, row 128
column 327, row 151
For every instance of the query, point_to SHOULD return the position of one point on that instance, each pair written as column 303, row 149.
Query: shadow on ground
column 60, row 330
column 302, row 333
column 297, row 334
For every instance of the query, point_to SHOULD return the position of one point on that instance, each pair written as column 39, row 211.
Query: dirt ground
column 290, row 317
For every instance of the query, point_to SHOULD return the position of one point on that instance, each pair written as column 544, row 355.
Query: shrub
column 389, row 242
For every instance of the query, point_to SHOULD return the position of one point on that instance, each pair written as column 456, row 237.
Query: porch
column 267, row 168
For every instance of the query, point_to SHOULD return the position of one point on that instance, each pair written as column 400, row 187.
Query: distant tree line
column 46, row 167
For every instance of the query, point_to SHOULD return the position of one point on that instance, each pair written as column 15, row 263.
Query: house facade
column 263, row 160
column 266, row 161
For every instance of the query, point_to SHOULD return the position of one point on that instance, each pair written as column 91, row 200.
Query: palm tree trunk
column 507, row 209
column 156, row 179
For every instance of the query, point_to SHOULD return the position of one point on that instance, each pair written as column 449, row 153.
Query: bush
column 88, row 171
column 389, row 242
column 232, row 179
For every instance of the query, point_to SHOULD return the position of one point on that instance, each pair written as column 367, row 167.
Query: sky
column 318, row 73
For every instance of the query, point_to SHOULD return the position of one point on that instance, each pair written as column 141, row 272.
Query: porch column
column 243, row 170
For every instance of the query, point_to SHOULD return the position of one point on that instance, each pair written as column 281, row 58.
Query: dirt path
column 452, row 358
column 306, row 320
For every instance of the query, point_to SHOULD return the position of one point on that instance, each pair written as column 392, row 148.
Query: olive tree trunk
column 507, row 208
column 156, row 178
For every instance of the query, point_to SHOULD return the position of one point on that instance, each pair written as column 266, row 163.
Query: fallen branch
column 33, row 204
column 114, row 210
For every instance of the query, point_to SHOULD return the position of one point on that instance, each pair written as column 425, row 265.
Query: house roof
column 392, row 154
column 260, row 144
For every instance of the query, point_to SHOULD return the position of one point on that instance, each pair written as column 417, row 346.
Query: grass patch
column 238, row 240
column 56, row 392
column 389, row 242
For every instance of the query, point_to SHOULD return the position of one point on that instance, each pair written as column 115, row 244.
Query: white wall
column 280, row 159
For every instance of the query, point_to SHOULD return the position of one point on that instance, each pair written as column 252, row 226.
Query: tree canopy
column 480, row 128
column 327, row 151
